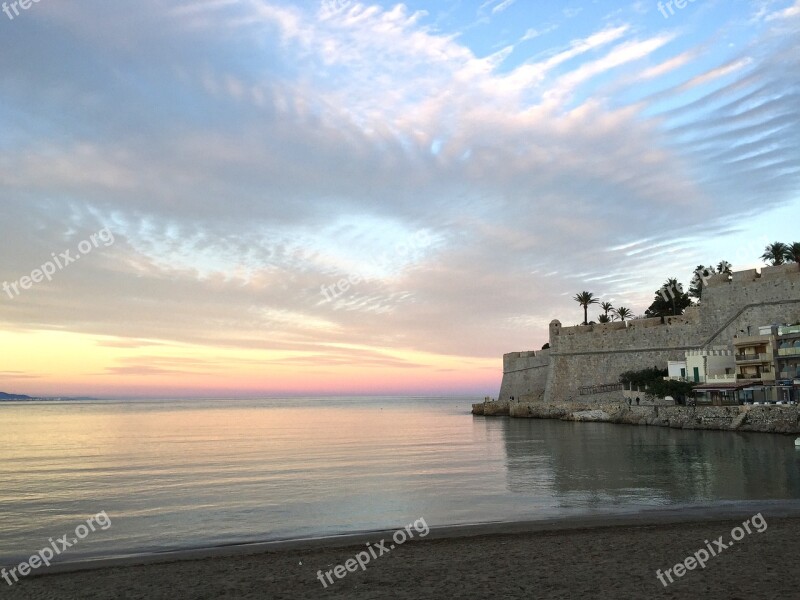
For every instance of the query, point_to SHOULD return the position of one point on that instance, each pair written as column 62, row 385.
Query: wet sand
column 600, row 557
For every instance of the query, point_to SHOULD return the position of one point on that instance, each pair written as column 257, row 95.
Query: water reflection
column 177, row 474
column 598, row 464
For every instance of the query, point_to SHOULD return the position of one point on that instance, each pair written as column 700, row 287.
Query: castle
column 584, row 363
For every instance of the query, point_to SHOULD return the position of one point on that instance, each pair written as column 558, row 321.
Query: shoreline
column 779, row 419
column 723, row 510
column 534, row 556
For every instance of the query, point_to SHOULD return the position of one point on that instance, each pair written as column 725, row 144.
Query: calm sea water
column 179, row 474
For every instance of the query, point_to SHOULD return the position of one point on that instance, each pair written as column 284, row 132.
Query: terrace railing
column 751, row 357
column 601, row 389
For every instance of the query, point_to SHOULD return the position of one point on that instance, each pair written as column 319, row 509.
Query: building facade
column 770, row 363
column 787, row 365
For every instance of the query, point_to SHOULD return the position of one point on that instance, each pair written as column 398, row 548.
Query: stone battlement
column 753, row 275
column 690, row 317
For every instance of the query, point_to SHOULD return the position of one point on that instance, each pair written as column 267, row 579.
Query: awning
column 722, row 387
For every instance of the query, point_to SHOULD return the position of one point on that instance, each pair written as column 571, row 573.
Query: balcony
column 789, row 330
column 752, row 358
column 721, row 378
column 751, row 340
column 789, row 352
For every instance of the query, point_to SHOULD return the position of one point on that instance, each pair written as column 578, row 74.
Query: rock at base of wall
column 590, row 415
column 764, row 419
column 491, row 409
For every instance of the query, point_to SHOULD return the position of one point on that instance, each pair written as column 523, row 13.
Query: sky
column 254, row 197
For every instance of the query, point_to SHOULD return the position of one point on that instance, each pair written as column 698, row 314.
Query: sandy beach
column 600, row 557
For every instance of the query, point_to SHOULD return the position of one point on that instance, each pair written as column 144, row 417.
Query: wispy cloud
column 786, row 13
column 502, row 6
column 247, row 153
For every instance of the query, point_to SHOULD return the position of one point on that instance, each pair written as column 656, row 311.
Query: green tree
column 670, row 299
column 607, row 307
column 677, row 389
column 699, row 281
column 585, row 299
column 724, row 268
column 604, row 319
column 775, row 253
column 643, row 377
column 793, row 253
column 623, row 313
column 653, row 380
column 671, row 289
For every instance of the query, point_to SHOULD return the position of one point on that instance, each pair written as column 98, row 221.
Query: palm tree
column 606, row 306
column 724, row 268
column 604, row 319
column 623, row 313
column 793, row 253
column 670, row 290
column 699, row 280
column 775, row 253
column 585, row 299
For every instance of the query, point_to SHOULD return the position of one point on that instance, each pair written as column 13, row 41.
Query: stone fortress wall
column 524, row 374
column 594, row 355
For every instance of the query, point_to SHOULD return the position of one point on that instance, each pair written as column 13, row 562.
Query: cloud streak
column 247, row 153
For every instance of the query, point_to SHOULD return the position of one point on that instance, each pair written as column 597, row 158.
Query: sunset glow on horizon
column 66, row 364
column 264, row 197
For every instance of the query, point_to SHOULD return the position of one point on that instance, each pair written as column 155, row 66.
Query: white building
column 715, row 364
column 676, row 369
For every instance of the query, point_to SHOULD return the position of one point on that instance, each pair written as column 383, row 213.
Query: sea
column 173, row 474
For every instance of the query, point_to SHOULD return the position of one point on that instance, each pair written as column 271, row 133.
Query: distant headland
column 5, row 397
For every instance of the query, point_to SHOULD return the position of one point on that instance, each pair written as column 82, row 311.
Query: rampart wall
column 597, row 354
column 524, row 374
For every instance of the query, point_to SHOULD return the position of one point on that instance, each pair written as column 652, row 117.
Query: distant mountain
column 4, row 396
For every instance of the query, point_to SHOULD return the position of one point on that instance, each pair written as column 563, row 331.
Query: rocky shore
column 765, row 419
